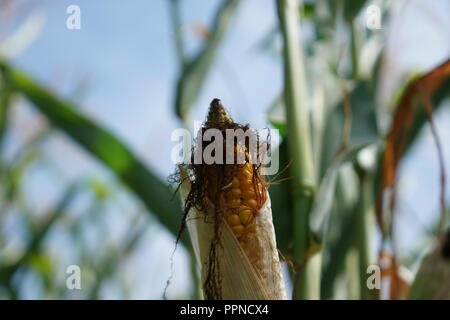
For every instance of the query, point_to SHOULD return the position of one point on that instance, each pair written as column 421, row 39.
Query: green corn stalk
column 307, row 283
column 363, row 233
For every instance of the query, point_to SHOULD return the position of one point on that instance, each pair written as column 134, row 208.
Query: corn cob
column 236, row 195
column 242, row 200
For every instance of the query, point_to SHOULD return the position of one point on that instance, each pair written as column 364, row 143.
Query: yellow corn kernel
column 245, row 216
column 241, row 204
column 252, row 203
column 233, row 219
column 238, row 230
column 246, row 184
column 235, row 192
column 235, row 183
column 249, row 193
column 234, row 203
column 244, row 174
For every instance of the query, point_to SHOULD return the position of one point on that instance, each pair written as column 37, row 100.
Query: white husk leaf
column 239, row 280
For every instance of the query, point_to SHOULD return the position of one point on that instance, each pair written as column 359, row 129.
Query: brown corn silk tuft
column 228, row 215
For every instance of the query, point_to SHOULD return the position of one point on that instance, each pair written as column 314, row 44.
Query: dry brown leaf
column 398, row 133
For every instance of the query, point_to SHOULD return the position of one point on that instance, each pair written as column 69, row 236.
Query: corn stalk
column 307, row 283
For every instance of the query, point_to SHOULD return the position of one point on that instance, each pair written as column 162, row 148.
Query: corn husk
column 239, row 279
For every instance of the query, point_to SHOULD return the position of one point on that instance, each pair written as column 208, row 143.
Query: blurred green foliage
column 345, row 187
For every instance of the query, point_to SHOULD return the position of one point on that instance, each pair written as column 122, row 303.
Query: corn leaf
column 433, row 278
column 363, row 127
column 350, row 8
column 281, row 198
column 33, row 249
column 323, row 202
column 338, row 252
column 340, row 237
column 103, row 145
column 196, row 70
column 5, row 95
